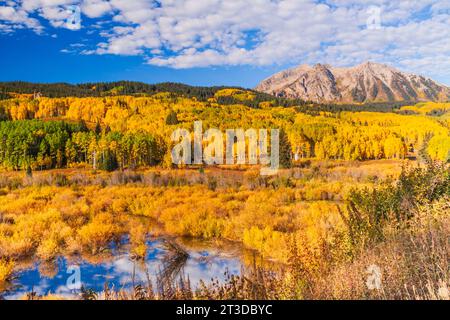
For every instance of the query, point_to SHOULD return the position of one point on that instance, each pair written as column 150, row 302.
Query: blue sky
column 216, row 42
column 36, row 58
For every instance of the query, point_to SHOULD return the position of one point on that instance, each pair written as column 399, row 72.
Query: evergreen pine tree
column 172, row 118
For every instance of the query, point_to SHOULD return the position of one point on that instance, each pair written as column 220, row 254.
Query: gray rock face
column 367, row 82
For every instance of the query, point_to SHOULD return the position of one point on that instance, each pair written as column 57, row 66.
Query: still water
column 117, row 268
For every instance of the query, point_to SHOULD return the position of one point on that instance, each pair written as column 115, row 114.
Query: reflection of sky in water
column 118, row 272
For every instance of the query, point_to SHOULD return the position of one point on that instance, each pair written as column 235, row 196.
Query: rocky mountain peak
column 367, row 82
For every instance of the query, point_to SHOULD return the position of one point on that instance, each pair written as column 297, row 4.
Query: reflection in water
column 119, row 271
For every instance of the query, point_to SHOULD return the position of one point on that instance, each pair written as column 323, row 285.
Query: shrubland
column 409, row 248
column 55, row 213
column 325, row 236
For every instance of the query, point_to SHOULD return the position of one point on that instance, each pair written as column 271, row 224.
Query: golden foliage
column 345, row 135
column 6, row 270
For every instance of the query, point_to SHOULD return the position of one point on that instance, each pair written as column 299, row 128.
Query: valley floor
column 300, row 218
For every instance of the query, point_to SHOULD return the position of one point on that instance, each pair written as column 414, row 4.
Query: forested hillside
column 119, row 131
column 101, row 89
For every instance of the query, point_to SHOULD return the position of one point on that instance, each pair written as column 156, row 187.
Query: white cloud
column 96, row 8
column 14, row 17
column 194, row 33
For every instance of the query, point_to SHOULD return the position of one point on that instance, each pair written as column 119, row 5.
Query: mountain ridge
column 363, row 83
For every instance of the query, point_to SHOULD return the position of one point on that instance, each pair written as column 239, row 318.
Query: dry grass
column 413, row 259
